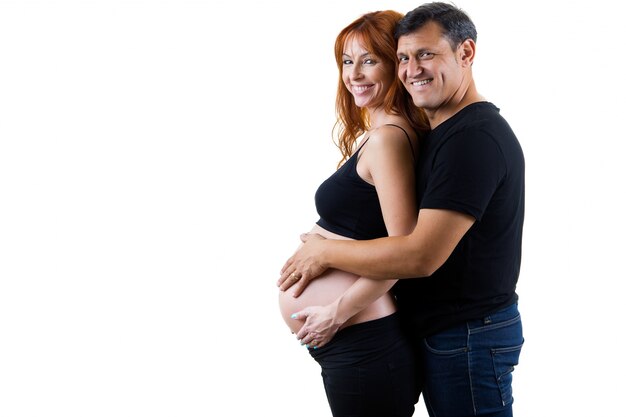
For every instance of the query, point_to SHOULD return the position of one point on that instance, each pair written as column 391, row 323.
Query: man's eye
column 426, row 55
column 403, row 59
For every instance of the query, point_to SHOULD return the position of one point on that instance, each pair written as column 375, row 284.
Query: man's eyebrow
column 419, row 51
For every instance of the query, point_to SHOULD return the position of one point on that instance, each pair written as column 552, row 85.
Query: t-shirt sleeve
column 466, row 172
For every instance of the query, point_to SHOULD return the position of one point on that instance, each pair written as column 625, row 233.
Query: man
column 458, row 269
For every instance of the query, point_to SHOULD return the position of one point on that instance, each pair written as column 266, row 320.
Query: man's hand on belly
column 304, row 266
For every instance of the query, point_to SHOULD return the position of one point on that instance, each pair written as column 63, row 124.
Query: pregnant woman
column 367, row 363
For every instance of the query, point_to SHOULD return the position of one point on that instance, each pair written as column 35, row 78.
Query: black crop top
column 348, row 205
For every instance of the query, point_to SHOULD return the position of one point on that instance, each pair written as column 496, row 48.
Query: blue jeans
column 468, row 368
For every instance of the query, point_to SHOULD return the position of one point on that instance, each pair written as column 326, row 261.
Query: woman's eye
column 369, row 61
column 347, row 62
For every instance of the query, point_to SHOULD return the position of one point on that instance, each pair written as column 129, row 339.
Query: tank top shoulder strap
column 358, row 150
column 408, row 138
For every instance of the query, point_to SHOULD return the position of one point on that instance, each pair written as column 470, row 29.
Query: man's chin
column 420, row 102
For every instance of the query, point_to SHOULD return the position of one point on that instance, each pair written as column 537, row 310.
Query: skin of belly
column 326, row 289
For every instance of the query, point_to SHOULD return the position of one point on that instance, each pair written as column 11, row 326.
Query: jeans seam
column 509, row 370
column 469, row 368
column 444, row 352
column 494, row 326
column 507, row 349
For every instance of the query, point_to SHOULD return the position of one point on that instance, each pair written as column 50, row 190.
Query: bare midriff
column 325, row 290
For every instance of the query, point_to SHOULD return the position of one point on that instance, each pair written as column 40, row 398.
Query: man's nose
column 414, row 67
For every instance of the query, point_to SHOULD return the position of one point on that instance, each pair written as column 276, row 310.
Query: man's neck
column 456, row 103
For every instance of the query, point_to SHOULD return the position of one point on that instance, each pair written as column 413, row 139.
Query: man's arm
column 417, row 255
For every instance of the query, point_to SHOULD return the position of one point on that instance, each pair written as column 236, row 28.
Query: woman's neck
column 379, row 117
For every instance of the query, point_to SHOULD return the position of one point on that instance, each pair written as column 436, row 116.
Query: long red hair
column 376, row 32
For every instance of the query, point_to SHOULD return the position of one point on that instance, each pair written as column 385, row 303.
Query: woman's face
column 365, row 75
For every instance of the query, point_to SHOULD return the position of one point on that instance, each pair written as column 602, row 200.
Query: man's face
column 430, row 70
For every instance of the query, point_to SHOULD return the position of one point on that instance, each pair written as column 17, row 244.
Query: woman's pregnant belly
column 326, row 289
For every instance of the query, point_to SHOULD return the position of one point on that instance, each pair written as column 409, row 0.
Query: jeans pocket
column 504, row 362
column 451, row 342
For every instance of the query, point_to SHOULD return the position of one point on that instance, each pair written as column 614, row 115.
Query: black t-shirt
column 472, row 163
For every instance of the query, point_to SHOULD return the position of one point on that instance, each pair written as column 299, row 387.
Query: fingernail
column 314, row 347
column 294, row 316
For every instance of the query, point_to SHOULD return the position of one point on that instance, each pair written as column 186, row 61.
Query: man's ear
column 466, row 52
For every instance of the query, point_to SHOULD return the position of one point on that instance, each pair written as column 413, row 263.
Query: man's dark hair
column 455, row 24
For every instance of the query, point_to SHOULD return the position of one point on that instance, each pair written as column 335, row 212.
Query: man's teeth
column 423, row 82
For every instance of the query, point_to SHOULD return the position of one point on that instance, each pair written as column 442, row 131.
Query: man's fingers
column 288, row 278
column 287, row 265
column 285, row 271
column 299, row 287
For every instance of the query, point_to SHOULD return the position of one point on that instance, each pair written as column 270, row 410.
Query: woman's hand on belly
column 320, row 324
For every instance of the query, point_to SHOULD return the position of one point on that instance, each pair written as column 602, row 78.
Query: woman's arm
column 387, row 163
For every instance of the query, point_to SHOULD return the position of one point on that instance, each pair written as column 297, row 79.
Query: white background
column 158, row 160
